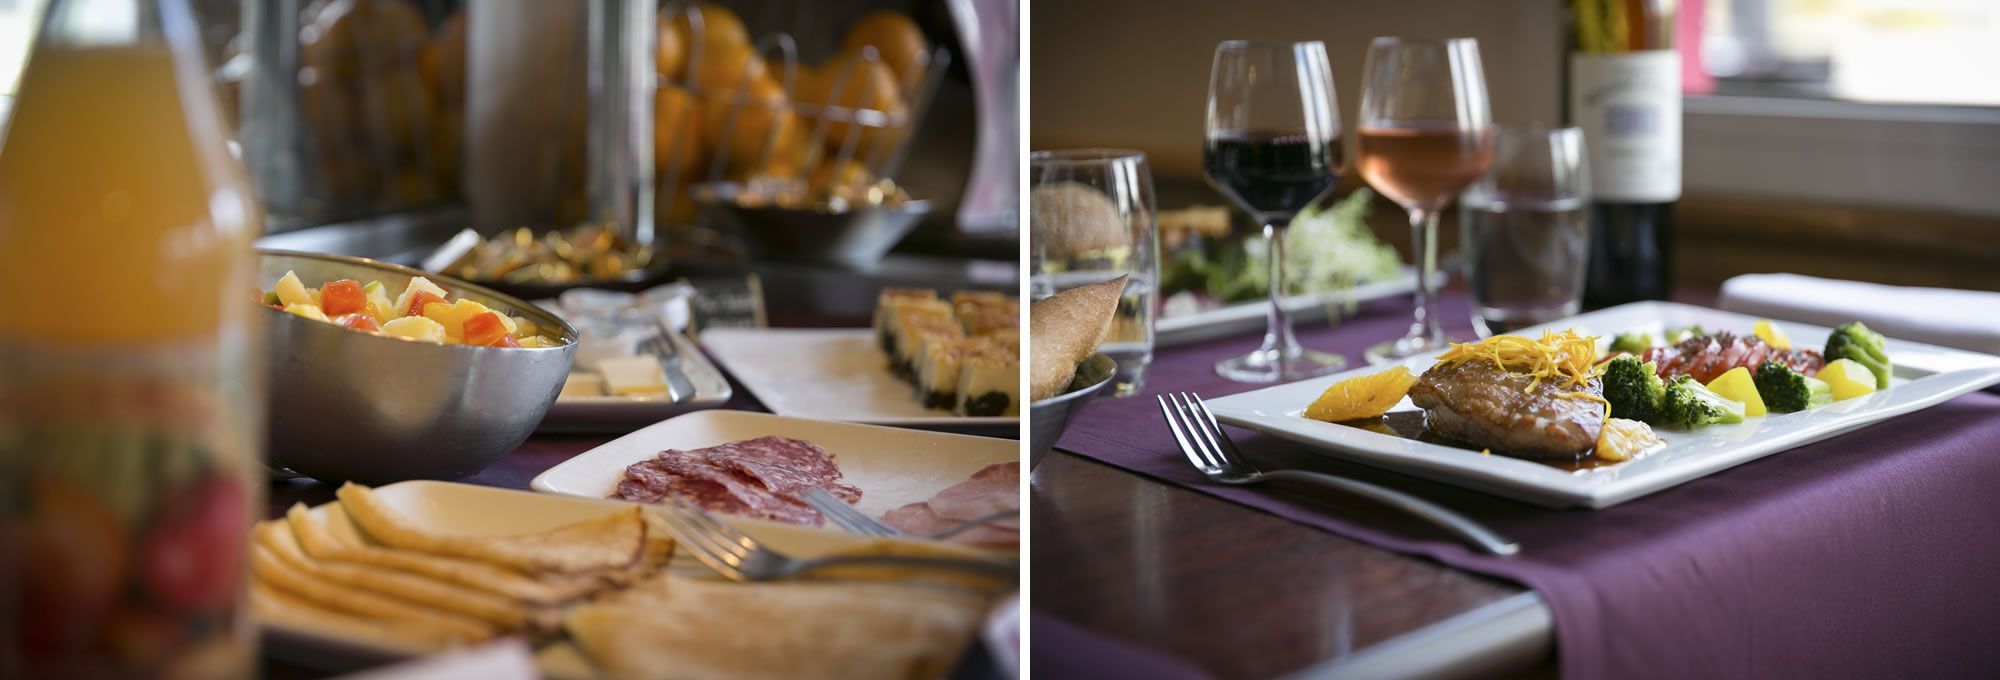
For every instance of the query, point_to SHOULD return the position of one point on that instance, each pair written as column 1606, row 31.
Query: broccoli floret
column 1632, row 343
column 1782, row 389
column 1689, row 405
column 1633, row 388
column 1674, row 336
column 1852, row 340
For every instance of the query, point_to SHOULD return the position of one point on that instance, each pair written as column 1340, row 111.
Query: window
column 1903, row 51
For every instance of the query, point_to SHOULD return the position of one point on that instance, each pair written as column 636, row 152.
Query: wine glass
column 1273, row 147
column 1425, row 135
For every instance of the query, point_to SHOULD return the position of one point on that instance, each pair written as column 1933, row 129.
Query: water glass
column 1527, row 229
column 1091, row 219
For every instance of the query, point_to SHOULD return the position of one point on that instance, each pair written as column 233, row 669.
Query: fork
column 844, row 514
column 739, row 557
column 1215, row 455
column 679, row 387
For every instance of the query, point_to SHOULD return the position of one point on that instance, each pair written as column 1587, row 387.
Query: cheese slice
column 583, row 385
column 637, row 375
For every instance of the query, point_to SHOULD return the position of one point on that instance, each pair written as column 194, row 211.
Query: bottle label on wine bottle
column 1629, row 107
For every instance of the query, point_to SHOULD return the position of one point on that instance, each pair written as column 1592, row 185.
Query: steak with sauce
column 1480, row 404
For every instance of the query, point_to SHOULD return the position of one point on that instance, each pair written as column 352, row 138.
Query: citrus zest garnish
column 1558, row 355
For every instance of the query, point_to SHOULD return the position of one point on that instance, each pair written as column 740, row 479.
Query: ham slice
column 993, row 488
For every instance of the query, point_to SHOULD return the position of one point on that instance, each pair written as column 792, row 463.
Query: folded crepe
column 1066, row 329
column 613, row 541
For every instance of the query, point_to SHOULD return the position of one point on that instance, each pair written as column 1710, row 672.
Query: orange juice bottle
column 131, row 391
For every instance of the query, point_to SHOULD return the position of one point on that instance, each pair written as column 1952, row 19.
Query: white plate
column 826, row 374
column 482, row 510
column 1924, row 376
column 1245, row 317
column 892, row 467
column 621, row 414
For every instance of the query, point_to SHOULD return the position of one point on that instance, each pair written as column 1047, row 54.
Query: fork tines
column 1197, row 433
column 843, row 514
column 717, row 545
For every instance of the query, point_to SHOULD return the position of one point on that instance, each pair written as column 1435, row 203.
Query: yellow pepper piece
column 1848, row 378
column 1736, row 385
column 1771, row 334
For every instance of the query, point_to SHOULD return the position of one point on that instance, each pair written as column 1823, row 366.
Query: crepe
column 281, row 573
column 418, row 590
column 1065, row 329
column 612, row 542
column 714, row 629
column 1067, row 219
column 273, row 606
column 331, row 540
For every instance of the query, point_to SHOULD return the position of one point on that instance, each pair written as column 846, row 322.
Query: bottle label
column 1629, row 107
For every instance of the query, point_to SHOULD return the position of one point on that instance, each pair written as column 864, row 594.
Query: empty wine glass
column 1425, row 135
column 1273, row 147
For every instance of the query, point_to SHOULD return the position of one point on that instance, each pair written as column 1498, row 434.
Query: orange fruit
column 866, row 85
column 347, row 39
column 732, row 68
column 719, row 28
column 750, row 127
column 671, row 52
column 896, row 38
column 838, row 178
column 677, row 144
column 1366, row 396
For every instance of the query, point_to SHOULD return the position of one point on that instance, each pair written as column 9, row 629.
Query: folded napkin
column 1964, row 319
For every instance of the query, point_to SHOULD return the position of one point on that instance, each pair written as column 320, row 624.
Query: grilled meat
column 1480, row 404
column 1706, row 357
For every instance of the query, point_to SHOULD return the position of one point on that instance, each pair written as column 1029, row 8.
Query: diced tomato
column 486, row 330
column 359, row 322
column 417, row 302
column 341, row 297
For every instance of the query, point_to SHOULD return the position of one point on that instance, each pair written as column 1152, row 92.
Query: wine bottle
column 1622, row 88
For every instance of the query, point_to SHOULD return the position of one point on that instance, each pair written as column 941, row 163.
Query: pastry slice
column 989, row 379
column 986, row 313
column 1065, row 329
column 886, row 304
column 916, row 326
column 937, row 372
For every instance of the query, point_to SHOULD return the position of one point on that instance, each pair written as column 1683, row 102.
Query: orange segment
column 1366, row 396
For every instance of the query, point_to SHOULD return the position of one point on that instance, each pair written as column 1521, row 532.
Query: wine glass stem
column 1423, row 241
column 1278, row 334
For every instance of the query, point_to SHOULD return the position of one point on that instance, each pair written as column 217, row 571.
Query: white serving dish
column 622, row 414
column 893, row 467
column 1251, row 317
column 826, row 374
column 1925, row 375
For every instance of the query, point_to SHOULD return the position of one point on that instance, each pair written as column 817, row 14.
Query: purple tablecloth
column 1057, row 649
column 1873, row 554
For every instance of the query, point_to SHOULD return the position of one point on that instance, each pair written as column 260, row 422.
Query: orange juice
column 130, row 384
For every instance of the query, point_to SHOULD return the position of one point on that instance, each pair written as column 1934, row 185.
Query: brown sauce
column 1410, row 425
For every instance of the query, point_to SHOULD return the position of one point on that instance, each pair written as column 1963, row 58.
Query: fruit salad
column 423, row 312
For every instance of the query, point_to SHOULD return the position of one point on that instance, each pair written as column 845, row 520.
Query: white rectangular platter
column 826, row 374
column 893, row 467
column 1247, row 317
column 623, row 414
column 1924, row 376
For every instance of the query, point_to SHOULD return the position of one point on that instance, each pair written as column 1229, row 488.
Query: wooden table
column 1233, row 590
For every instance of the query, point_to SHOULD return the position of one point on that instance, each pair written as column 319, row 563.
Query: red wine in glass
column 1274, row 175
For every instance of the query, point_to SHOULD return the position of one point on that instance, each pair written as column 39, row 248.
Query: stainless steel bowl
column 852, row 238
column 1049, row 417
column 375, row 409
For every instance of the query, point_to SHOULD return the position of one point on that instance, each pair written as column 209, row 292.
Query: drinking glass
column 1091, row 219
column 1273, row 147
column 1526, row 229
column 1425, row 135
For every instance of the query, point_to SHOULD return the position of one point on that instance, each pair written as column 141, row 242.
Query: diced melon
column 453, row 315
column 1736, row 385
column 1771, row 334
column 1848, row 379
column 291, row 291
column 418, row 283
column 378, row 302
column 310, row 311
column 415, row 328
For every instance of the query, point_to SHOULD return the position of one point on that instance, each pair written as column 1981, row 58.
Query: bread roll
column 1065, row 329
column 1068, row 219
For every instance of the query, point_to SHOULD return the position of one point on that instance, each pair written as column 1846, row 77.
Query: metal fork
column 1212, row 452
column 736, row 555
column 679, row 387
column 842, row 513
